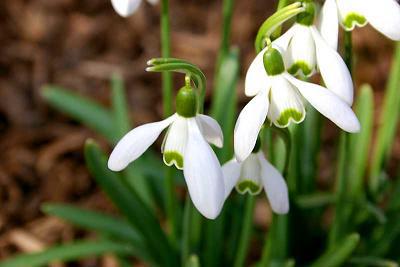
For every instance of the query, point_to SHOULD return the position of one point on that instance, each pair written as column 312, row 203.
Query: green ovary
column 289, row 114
column 300, row 66
column 248, row 186
column 173, row 158
column 354, row 19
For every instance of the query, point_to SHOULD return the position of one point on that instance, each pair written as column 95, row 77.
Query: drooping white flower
column 185, row 146
column 305, row 52
column 127, row 7
column 383, row 15
column 254, row 174
column 279, row 96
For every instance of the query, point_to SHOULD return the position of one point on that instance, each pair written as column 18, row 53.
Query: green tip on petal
column 352, row 20
column 307, row 17
column 302, row 67
column 186, row 102
column 248, row 186
column 273, row 62
column 289, row 115
column 173, row 158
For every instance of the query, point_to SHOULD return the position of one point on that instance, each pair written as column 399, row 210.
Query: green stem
column 171, row 202
column 340, row 222
column 246, row 231
column 226, row 26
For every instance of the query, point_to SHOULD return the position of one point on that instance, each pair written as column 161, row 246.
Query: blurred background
column 78, row 44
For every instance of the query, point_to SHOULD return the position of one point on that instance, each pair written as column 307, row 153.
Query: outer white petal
column 125, row 7
column 135, row 143
column 328, row 104
column 333, row 70
column 275, row 186
column 211, row 130
column 231, row 171
column 256, row 77
column 300, row 56
column 203, row 174
column 286, row 104
column 249, row 124
column 328, row 23
column 383, row 15
column 174, row 144
column 283, row 41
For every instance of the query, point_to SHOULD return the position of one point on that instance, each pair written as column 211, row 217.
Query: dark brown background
column 78, row 44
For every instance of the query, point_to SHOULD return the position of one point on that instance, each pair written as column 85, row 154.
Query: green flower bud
column 307, row 17
column 186, row 102
column 273, row 62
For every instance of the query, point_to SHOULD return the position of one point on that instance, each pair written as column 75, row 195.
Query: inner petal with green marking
column 173, row 158
column 351, row 20
column 248, row 186
column 290, row 115
column 302, row 68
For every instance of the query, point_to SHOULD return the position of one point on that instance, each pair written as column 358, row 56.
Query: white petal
column 125, row 7
column 275, row 186
column 250, row 176
column 300, row 56
column 283, row 41
column 256, row 76
column 135, row 143
column 174, row 144
column 383, row 15
column 231, row 171
column 328, row 104
column 350, row 13
column 334, row 71
column 249, row 124
column 153, row 2
column 211, row 130
column 286, row 104
column 203, row 174
column 329, row 23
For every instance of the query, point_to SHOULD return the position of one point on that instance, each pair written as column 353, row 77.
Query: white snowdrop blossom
column 383, row 15
column 254, row 174
column 127, row 7
column 280, row 97
column 185, row 146
column 305, row 51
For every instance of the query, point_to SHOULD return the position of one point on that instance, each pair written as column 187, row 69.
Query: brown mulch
column 78, row 44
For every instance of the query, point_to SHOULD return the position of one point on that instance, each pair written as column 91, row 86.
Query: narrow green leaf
column 102, row 223
column 81, row 109
column 120, row 105
column 130, row 204
column 67, row 252
column 224, row 101
column 338, row 254
column 385, row 237
column 360, row 142
column 388, row 124
column 316, row 200
column 372, row 262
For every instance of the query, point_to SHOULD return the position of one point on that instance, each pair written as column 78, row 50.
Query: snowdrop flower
column 383, row 15
column 254, row 174
column 127, row 7
column 184, row 146
column 305, row 49
column 279, row 96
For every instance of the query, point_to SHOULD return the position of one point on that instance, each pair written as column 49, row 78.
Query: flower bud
column 307, row 17
column 273, row 62
column 186, row 102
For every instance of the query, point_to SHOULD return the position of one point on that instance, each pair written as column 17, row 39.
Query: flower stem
column 246, row 231
column 167, row 105
column 342, row 210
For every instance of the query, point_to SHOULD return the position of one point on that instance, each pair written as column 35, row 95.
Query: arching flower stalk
column 126, row 8
column 383, row 15
column 254, row 174
column 280, row 97
column 185, row 146
column 305, row 52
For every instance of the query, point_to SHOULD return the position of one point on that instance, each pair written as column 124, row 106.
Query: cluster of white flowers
column 309, row 46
